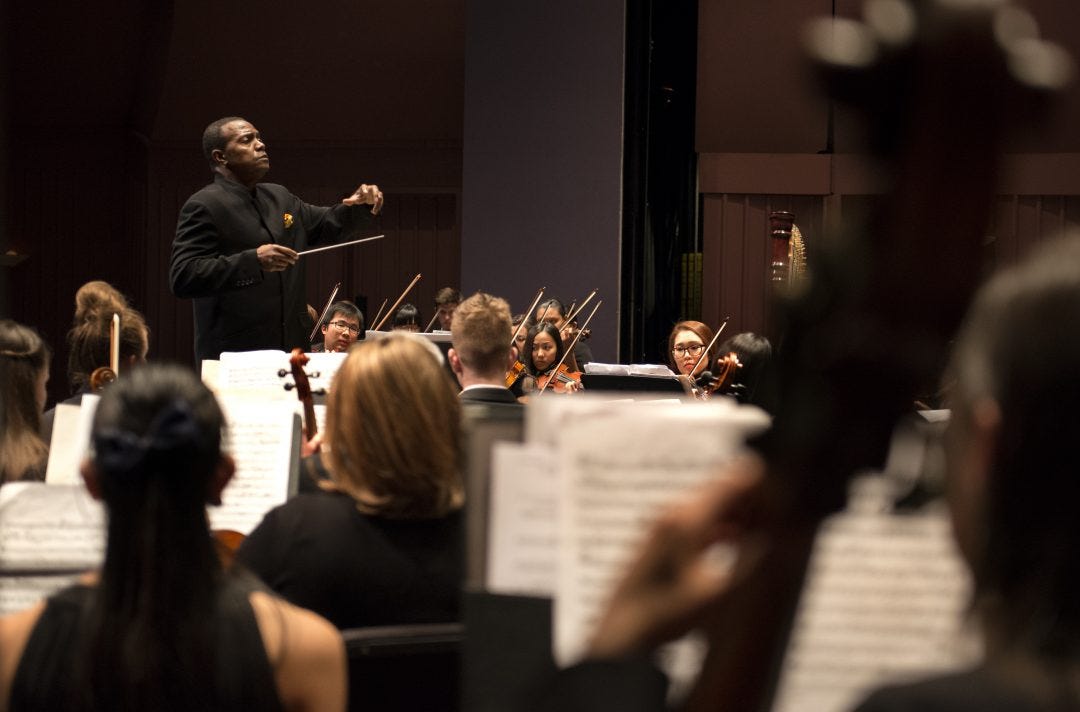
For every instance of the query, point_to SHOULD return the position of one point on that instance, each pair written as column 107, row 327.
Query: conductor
column 237, row 243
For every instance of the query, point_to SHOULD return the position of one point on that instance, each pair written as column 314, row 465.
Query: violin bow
column 432, row 322
column 379, row 313
column 709, row 347
column 378, row 327
column 532, row 308
column 570, row 349
column 574, row 312
column 318, row 323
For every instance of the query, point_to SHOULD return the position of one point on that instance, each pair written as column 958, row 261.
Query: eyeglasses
column 693, row 350
column 346, row 326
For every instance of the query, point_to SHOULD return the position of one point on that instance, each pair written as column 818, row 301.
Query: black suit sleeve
column 197, row 267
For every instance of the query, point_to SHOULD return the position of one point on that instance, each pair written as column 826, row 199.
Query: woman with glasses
column 686, row 344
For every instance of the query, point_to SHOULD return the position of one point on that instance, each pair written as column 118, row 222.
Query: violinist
column 480, row 355
column 341, row 328
column 544, row 350
column 407, row 318
column 754, row 353
column 686, row 344
column 553, row 312
column 447, row 300
column 89, row 340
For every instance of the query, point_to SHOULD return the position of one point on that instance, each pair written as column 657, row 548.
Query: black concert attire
column 237, row 306
column 322, row 553
column 44, row 679
column 488, row 394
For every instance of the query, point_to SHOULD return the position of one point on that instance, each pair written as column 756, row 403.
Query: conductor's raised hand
column 367, row 194
column 275, row 258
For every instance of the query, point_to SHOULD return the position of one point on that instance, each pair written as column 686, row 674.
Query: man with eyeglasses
column 341, row 327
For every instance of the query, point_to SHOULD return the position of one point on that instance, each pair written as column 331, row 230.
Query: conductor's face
column 245, row 154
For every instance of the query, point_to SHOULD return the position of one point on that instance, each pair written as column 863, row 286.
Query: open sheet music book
column 258, row 372
column 49, row 535
column 570, row 507
column 263, row 436
column 70, row 440
column 884, row 600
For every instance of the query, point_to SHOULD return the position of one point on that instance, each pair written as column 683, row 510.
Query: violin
column 721, row 380
column 297, row 361
column 560, row 380
column 514, row 373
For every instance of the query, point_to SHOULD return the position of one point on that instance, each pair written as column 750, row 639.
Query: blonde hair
column 481, row 333
column 23, row 356
column 393, row 423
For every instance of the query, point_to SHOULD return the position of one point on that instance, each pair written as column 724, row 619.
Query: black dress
column 44, row 679
column 320, row 552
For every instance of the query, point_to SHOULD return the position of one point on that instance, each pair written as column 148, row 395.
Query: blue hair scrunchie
column 121, row 451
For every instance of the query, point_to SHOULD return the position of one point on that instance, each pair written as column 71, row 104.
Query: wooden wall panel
column 735, row 235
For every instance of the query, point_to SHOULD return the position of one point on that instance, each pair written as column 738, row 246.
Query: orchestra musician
column 236, row 246
column 381, row 542
column 447, row 300
column 480, row 355
column 407, row 318
column 341, row 328
column 161, row 626
column 1011, row 490
column 686, row 344
column 24, row 373
column 755, row 355
column 553, row 312
column 544, row 350
column 89, row 341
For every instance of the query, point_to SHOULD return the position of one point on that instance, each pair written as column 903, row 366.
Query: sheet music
column 884, row 598
column 257, row 372
column 210, row 373
column 618, row 471
column 263, row 439
column 46, row 528
column 523, row 533
column 633, row 369
column 70, row 440
column 18, row 593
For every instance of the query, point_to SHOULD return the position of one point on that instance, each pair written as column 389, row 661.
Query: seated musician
column 407, row 318
column 755, row 354
column 1012, row 492
column 341, row 328
column 381, row 544
column 24, row 372
column 553, row 312
column 686, row 344
column 161, row 626
column 544, row 350
column 447, row 300
column 89, row 340
column 481, row 352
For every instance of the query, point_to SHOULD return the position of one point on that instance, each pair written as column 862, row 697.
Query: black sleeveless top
column 45, row 677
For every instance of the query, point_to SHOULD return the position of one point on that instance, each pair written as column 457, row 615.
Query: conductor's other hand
column 275, row 258
column 367, row 195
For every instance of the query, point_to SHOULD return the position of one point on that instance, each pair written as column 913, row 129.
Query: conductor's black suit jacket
column 237, row 306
